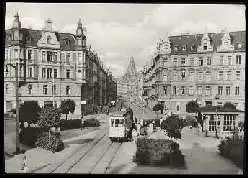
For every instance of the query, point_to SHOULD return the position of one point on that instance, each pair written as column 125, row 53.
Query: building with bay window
column 54, row 66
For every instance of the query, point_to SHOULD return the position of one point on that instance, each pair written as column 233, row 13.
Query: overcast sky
column 118, row 31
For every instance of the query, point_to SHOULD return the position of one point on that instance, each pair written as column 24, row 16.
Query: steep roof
column 67, row 40
column 189, row 41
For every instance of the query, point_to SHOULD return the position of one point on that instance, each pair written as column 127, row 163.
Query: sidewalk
column 38, row 158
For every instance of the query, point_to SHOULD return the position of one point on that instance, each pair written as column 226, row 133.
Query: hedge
column 232, row 148
column 92, row 122
column 158, row 152
column 54, row 143
column 28, row 136
column 70, row 124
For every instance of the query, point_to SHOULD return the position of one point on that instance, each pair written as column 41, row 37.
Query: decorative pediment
column 205, row 44
column 48, row 40
column 225, row 43
column 163, row 47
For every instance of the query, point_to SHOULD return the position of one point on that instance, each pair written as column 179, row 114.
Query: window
column 229, row 123
column 191, row 62
column 30, row 72
column 208, row 103
column 49, row 56
column 49, row 73
column 49, row 39
column 45, row 89
column 43, row 72
column 220, row 75
column 238, row 59
column 220, row 90
column 184, row 47
column 200, row 76
column 67, row 90
column 221, row 60
column 208, row 60
column 192, row 47
column 229, row 60
column 176, row 48
column 165, row 77
column 6, row 54
column 79, row 58
column 182, row 61
column 191, row 90
column 29, row 89
column 16, row 53
column 165, row 60
column 175, row 90
column 55, row 73
column 55, row 57
column 237, row 91
column 208, row 90
column 228, row 75
column 183, row 74
column 29, row 54
column 175, row 60
column 178, row 107
column 200, row 61
column 237, row 75
column 7, row 88
column 67, row 73
column 175, row 77
column 205, row 46
column 68, row 58
column 183, row 90
column 48, row 103
column 208, row 76
column 54, row 89
column 43, row 56
column 191, row 76
column 212, row 125
column 199, row 90
column 228, row 91
column 239, row 45
column 165, row 90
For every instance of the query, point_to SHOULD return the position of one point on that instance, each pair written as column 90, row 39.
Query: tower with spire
column 131, row 72
column 80, row 36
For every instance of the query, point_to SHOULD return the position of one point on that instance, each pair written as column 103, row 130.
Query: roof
column 67, row 40
column 189, row 41
column 218, row 109
column 117, row 113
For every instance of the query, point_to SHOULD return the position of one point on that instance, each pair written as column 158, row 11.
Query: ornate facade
column 209, row 68
column 54, row 66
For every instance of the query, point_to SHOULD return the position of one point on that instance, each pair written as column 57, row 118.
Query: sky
column 120, row 31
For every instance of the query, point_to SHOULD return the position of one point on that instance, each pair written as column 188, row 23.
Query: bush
column 232, row 148
column 70, row 124
column 173, row 126
column 28, row 136
column 54, row 143
column 91, row 123
column 158, row 152
column 29, row 111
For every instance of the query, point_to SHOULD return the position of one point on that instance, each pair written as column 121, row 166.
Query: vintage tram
column 121, row 125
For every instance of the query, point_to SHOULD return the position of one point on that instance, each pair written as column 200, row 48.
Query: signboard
column 83, row 102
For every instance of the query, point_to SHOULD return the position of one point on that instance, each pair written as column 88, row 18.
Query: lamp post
column 16, row 67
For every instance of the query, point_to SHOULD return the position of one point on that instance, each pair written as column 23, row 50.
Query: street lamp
column 16, row 67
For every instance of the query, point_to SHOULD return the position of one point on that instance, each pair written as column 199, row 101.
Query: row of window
column 47, row 73
column 208, row 90
column 208, row 61
column 228, row 125
column 208, row 75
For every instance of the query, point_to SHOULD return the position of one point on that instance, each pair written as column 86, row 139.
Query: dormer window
column 49, row 39
column 176, row 48
column 205, row 46
column 192, row 47
column 184, row 48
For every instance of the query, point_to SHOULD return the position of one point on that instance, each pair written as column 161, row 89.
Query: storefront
column 221, row 122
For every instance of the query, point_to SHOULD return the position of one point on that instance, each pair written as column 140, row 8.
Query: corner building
column 208, row 68
column 53, row 67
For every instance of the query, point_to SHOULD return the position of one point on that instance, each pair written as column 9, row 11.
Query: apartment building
column 209, row 68
column 52, row 67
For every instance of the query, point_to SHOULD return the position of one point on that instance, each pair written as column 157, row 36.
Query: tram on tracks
column 121, row 125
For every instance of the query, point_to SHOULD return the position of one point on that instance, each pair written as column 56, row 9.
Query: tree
column 229, row 105
column 67, row 106
column 158, row 107
column 29, row 111
column 192, row 107
column 173, row 126
column 49, row 117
